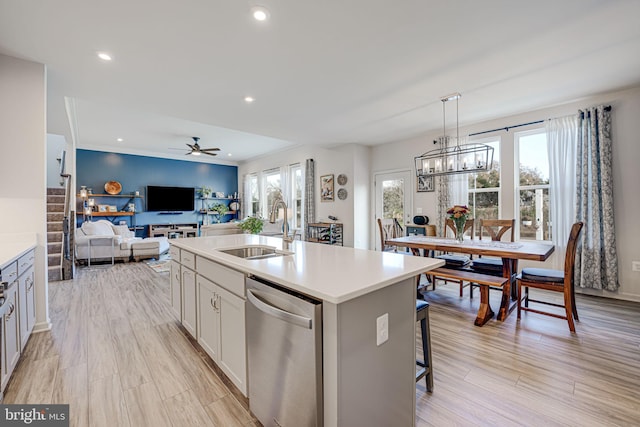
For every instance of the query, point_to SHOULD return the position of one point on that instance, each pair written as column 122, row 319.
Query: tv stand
column 173, row 231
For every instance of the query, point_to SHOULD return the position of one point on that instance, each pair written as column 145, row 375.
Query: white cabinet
column 221, row 330
column 10, row 334
column 208, row 317
column 209, row 299
column 26, row 305
column 233, row 348
column 189, row 307
column 175, row 289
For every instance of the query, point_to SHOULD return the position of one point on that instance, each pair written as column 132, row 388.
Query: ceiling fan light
column 195, row 153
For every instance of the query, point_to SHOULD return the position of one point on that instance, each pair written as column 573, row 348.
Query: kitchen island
column 363, row 383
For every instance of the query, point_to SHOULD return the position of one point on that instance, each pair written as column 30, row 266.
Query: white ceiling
column 327, row 72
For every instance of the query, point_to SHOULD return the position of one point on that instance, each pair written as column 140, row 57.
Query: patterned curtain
column 442, row 193
column 596, row 257
column 309, row 195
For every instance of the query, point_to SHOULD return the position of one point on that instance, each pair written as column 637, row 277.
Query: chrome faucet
column 273, row 215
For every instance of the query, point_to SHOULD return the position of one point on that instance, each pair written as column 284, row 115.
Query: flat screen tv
column 170, row 199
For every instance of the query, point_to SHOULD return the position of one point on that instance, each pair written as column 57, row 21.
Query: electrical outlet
column 418, row 210
column 382, row 329
column 635, row 265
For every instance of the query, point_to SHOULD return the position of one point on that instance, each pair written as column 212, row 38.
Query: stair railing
column 66, row 225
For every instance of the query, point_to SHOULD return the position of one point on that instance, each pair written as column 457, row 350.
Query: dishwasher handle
column 278, row 313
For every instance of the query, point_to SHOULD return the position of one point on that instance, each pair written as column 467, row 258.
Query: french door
column 392, row 198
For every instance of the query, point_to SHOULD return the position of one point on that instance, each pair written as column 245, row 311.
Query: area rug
column 162, row 265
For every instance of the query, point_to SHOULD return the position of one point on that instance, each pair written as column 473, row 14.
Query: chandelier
column 466, row 158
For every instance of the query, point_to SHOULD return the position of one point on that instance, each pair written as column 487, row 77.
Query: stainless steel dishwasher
column 284, row 342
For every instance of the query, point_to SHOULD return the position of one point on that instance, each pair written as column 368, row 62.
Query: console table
column 173, row 231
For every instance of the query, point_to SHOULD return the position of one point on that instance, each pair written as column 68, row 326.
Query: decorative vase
column 459, row 223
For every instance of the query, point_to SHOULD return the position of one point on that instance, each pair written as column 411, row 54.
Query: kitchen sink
column 255, row 252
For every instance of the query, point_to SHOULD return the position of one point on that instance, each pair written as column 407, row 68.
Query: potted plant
column 252, row 225
column 221, row 209
column 205, row 192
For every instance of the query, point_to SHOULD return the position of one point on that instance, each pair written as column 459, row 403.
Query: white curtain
column 246, row 202
column 562, row 143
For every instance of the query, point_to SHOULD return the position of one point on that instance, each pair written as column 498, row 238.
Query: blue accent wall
column 95, row 168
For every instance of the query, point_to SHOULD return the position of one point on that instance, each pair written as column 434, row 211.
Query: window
column 297, row 189
column 262, row 190
column 484, row 187
column 533, row 185
column 271, row 183
column 253, row 206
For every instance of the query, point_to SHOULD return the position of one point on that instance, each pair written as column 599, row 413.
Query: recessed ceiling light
column 119, row 139
column 104, row 56
column 229, row 154
column 249, row 99
column 260, row 13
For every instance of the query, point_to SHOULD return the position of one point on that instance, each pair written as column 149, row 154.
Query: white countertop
column 13, row 246
column 331, row 273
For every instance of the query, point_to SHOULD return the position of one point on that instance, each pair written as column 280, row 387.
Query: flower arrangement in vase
column 459, row 215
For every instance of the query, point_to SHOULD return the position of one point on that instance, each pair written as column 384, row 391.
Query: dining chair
column 454, row 261
column 553, row 280
column 389, row 228
column 496, row 229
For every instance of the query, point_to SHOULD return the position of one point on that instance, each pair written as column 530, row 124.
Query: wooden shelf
column 107, row 214
column 129, row 196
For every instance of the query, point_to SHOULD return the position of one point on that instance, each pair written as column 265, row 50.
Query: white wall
column 55, row 145
column 626, row 161
column 23, row 171
column 327, row 161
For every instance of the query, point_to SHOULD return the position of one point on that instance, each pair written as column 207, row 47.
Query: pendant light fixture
column 466, row 158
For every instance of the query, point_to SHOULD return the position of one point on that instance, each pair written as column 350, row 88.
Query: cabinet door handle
column 213, row 303
column 30, row 284
column 12, row 308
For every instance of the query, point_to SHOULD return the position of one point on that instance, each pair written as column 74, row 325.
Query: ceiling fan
column 196, row 150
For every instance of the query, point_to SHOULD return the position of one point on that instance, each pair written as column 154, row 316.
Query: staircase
column 55, row 216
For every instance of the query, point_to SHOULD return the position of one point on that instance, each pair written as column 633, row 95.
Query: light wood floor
column 119, row 358
column 533, row 372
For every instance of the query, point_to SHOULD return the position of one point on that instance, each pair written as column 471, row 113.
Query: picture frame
column 112, row 208
column 103, row 208
column 326, row 188
column 425, row 184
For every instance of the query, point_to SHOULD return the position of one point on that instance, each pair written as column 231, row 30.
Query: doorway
column 392, row 199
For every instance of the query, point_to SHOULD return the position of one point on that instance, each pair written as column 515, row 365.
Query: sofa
column 103, row 241
column 224, row 228
column 220, row 229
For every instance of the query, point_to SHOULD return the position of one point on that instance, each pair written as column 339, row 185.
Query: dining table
column 509, row 252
